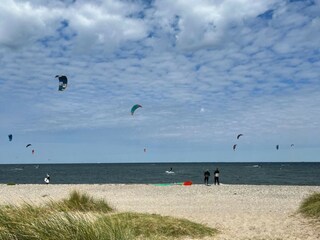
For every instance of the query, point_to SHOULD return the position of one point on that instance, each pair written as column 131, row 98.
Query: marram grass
column 81, row 217
column 310, row 207
column 81, row 202
column 65, row 226
column 163, row 227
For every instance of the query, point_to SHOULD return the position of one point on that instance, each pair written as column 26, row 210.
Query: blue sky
column 204, row 71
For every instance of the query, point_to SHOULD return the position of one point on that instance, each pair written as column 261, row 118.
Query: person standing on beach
column 216, row 177
column 47, row 179
column 206, row 177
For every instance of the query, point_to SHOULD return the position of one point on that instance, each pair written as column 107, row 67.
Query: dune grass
column 11, row 183
column 154, row 225
column 81, row 202
column 81, row 217
column 64, row 226
column 310, row 207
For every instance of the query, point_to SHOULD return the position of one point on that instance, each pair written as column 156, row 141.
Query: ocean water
column 150, row 173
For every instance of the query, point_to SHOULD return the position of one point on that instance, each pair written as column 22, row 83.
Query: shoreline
column 237, row 211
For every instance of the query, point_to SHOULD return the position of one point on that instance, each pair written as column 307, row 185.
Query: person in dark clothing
column 216, row 177
column 206, row 177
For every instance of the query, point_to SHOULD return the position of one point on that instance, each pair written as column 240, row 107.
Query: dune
column 237, row 211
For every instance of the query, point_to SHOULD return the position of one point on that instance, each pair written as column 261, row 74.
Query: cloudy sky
column 203, row 71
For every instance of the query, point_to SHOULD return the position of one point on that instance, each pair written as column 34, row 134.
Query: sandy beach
column 237, row 211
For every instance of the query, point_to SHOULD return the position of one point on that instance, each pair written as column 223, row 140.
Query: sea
column 304, row 173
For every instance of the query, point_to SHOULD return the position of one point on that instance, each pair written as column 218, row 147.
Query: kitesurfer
column 206, row 177
column 170, row 171
column 216, row 177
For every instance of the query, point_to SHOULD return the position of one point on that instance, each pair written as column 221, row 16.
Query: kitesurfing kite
column 234, row 147
column 277, row 147
column 32, row 151
column 239, row 136
column 145, row 150
column 10, row 137
column 28, row 145
column 292, row 145
column 63, row 82
column 134, row 108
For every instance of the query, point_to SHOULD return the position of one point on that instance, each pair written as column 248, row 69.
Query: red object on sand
column 188, row 183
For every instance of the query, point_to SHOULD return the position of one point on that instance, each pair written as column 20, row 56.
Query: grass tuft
column 154, row 225
column 17, row 221
column 84, row 218
column 66, row 226
column 81, row 202
column 310, row 207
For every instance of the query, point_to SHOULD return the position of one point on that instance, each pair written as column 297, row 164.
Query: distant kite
column 28, row 145
column 277, row 147
column 63, row 82
column 145, row 150
column 292, row 145
column 239, row 136
column 234, row 147
column 32, row 151
column 10, row 137
column 134, row 108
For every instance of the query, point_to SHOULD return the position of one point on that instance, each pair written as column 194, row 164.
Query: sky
column 204, row 71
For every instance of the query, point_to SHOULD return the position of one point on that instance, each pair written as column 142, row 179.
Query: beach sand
column 237, row 211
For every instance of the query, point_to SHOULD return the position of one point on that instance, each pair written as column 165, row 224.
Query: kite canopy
column 277, row 147
column 134, row 108
column 239, row 136
column 10, row 137
column 234, row 147
column 187, row 183
column 28, row 145
column 63, row 82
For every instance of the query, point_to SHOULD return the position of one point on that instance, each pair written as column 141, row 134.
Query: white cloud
column 203, row 24
column 21, row 23
column 247, row 73
column 106, row 24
